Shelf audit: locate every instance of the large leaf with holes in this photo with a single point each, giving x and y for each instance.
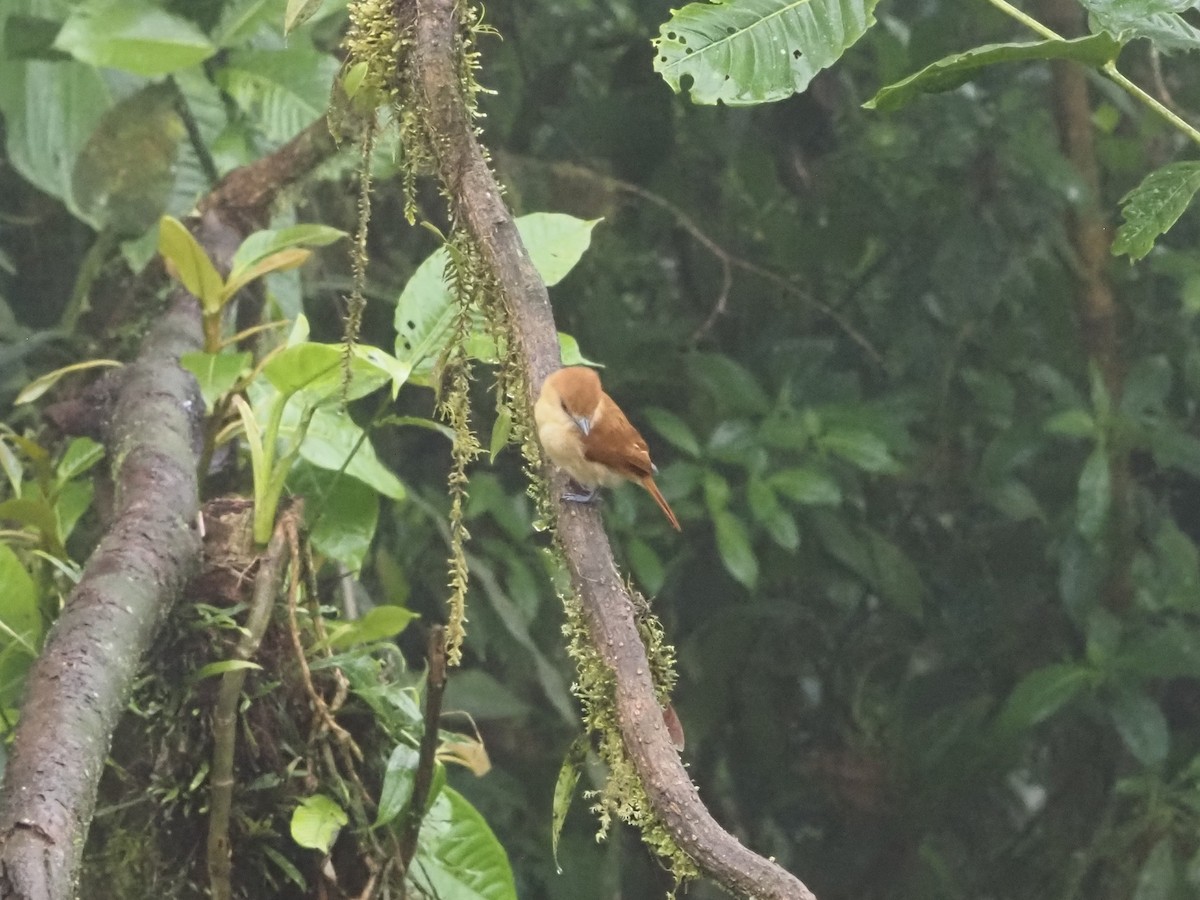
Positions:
(742, 52)
(1155, 205)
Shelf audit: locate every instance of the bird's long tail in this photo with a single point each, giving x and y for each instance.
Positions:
(648, 484)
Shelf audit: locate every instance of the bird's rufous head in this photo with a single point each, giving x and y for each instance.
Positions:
(579, 392)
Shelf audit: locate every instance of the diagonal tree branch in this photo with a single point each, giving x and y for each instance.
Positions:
(78, 687)
(607, 607)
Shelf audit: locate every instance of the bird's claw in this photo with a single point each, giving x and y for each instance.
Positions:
(576, 494)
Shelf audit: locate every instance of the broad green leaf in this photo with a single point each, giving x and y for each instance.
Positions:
(341, 513)
(261, 244)
(426, 308)
(81, 454)
(728, 383)
(216, 373)
(673, 428)
(459, 858)
(569, 353)
(132, 36)
(71, 502)
(1141, 724)
(755, 51)
(807, 486)
(556, 242)
(191, 263)
(863, 449)
(241, 19)
(1041, 694)
(125, 172)
(31, 37)
(1072, 423)
(299, 366)
(379, 624)
(281, 91)
(737, 553)
(397, 783)
(770, 514)
(50, 110)
(501, 429)
(317, 821)
(332, 439)
(564, 791)
(647, 565)
(43, 383)
(1095, 494)
(952, 71)
(318, 371)
(1156, 879)
(283, 261)
(1156, 20)
(19, 616)
(1152, 207)
(298, 12)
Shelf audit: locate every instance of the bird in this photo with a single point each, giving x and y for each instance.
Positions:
(585, 434)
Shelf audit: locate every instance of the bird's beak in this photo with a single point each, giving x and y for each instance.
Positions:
(584, 424)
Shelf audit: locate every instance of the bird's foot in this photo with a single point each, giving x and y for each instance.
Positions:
(576, 493)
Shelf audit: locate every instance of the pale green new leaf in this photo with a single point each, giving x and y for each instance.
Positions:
(317, 821)
(1152, 207)
(43, 383)
(952, 71)
(742, 52)
(191, 262)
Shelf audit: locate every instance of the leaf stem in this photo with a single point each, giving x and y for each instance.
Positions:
(1109, 69)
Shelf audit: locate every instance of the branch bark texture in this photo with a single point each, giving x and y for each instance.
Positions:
(78, 687)
(607, 607)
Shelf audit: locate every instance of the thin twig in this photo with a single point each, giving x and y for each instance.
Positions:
(266, 587)
(435, 688)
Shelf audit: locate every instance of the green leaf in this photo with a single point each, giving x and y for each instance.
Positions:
(674, 429)
(733, 543)
(281, 91)
(191, 263)
(299, 366)
(771, 515)
(397, 783)
(1095, 494)
(242, 19)
(1156, 879)
(1146, 386)
(81, 454)
(1072, 423)
(341, 513)
(31, 37)
(807, 486)
(1141, 724)
(317, 369)
(379, 624)
(332, 438)
(896, 577)
(283, 261)
(129, 194)
(19, 616)
(569, 353)
(729, 384)
(647, 565)
(261, 244)
(863, 449)
(1041, 694)
(556, 242)
(317, 821)
(1152, 207)
(459, 858)
(952, 71)
(216, 373)
(132, 36)
(1169, 651)
(50, 110)
(426, 308)
(501, 430)
(43, 383)
(298, 12)
(564, 791)
(1156, 20)
(1174, 449)
(221, 666)
(755, 51)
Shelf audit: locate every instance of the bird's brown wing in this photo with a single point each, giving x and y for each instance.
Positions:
(615, 443)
